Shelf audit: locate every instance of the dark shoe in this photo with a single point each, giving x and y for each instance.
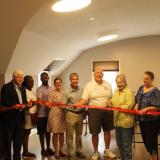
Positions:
(45, 154)
(80, 155)
(50, 151)
(62, 154)
(28, 155)
(16, 157)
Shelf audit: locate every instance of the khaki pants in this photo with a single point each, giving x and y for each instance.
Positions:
(74, 123)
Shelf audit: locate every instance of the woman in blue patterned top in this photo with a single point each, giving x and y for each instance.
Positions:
(148, 98)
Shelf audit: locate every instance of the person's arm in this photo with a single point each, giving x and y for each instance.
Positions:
(109, 103)
(81, 102)
(128, 101)
(155, 102)
(85, 96)
(65, 101)
(50, 97)
(135, 106)
(39, 97)
(138, 98)
(144, 110)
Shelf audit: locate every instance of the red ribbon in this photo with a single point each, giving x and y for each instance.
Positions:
(52, 104)
(17, 106)
(130, 111)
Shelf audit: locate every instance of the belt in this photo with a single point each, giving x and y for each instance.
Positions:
(77, 112)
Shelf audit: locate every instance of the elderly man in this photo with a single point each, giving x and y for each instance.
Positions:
(1, 135)
(97, 93)
(13, 93)
(74, 118)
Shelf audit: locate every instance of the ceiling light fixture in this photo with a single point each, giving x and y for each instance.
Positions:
(107, 37)
(70, 5)
(91, 19)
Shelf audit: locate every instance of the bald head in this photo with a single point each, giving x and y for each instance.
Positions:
(98, 74)
(98, 69)
(18, 76)
(18, 72)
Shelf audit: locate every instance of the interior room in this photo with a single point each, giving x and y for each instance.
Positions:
(36, 38)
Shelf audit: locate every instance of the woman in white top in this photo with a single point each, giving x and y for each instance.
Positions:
(28, 84)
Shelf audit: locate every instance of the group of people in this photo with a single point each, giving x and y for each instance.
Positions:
(16, 125)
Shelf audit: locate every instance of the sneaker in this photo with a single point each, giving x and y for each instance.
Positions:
(95, 156)
(108, 153)
(80, 155)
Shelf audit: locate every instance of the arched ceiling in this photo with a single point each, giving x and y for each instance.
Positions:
(13, 17)
(49, 37)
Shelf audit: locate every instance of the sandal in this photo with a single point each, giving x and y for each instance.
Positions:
(62, 154)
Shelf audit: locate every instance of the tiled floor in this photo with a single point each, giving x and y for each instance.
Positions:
(139, 152)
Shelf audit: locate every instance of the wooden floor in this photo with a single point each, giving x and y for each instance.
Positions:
(139, 152)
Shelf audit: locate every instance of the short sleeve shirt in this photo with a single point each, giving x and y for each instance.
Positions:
(97, 94)
(72, 96)
(42, 93)
(151, 98)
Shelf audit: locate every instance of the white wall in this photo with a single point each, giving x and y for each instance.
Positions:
(32, 54)
(135, 56)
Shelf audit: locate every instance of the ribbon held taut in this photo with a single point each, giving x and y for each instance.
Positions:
(53, 104)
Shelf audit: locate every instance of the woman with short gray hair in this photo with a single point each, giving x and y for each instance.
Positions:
(123, 122)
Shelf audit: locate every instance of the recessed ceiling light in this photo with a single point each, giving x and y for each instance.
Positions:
(107, 37)
(70, 5)
(91, 19)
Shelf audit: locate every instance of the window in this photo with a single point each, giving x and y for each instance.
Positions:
(110, 76)
(107, 65)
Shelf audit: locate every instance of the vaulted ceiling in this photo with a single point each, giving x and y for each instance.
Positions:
(32, 36)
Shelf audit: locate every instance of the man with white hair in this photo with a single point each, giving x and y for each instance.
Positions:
(13, 93)
(97, 93)
(1, 135)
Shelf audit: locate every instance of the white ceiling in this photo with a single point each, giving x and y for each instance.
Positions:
(48, 36)
(13, 17)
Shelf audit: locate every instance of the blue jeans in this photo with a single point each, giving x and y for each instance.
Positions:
(124, 138)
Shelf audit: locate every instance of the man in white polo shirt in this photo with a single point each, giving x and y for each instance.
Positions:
(97, 93)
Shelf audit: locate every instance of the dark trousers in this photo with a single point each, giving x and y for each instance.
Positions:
(149, 131)
(13, 131)
(1, 140)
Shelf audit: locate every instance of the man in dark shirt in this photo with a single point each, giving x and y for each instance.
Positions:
(1, 135)
(13, 93)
